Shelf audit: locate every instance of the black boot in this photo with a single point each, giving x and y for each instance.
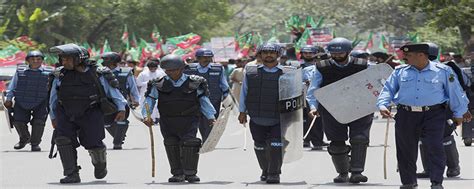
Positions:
(173, 151)
(119, 137)
(23, 133)
(275, 160)
(452, 157)
(68, 156)
(190, 159)
(260, 152)
(358, 155)
(37, 130)
(424, 161)
(436, 186)
(99, 160)
(340, 159)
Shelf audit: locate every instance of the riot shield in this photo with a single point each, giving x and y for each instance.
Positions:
(8, 114)
(355, 96)
(219, 126)
(291, 114)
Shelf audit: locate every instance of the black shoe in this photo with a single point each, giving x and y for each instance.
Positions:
(317, 148)
(35, 148)
(100, 171)
(341, 178)
(357, 178)
(436, 186)
(72, 178)
(306, 144)
(273, 179)
(20, 145)
(453, 172)
(263, 177)
(177, 178)
(409, 186)
(423, 175)
(192, 178)
(117, 146)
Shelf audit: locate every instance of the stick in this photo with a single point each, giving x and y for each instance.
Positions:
(310, 126)
(152, 141)
(385, 150)
(245, 137)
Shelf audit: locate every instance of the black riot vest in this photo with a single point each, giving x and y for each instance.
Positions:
(213, 77)
(122, 77)
(263, 93)
(177, 101)
(332, 73)
(32, 86)
(77, 91)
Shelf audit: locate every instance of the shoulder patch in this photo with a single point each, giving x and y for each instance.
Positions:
(451, 78)
(360, 61)
(251, 69)
(323, 63)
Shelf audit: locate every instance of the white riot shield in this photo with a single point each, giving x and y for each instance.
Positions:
(291, 114)
(8, 115)
(219, 127)
(355, 96)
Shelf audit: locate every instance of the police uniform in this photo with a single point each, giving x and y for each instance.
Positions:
(421, 97)
(30, 87)
(127, 87)
(181, 103)
(75, 106)
(218, 88)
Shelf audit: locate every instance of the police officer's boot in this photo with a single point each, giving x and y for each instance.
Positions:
(23, 133)
(68, 155)
(119, 136)
(173, 151)
(275, 160)
(99, 160)
(358, 154)
(452, 157)
(190, 159)
(37, 129)
(340, 159)
(260, 152)
(424, 161)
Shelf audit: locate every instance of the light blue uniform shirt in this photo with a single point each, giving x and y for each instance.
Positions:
(223, 81)
(131, 85)
(110, 92)
(243, 97)
(12, 86)
(206, 107)
(316, 80)
(434, 84)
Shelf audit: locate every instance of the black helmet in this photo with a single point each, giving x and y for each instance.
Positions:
(433, 51)
(34, 54)
(110, 58)
(269, 47)
(203, 52)
(79, 54)
(153, 63)
(171, 62)
(309, 49)
(359, 54)
(339, 45)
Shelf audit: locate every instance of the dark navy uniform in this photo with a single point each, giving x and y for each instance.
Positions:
(75, 104)
(181, 103)
(218, 89)
(421, 97)
(30, 87)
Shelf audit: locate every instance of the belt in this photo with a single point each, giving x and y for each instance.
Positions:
(421, 108)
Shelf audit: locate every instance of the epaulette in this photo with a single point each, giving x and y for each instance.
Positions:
(401, 66)
(108, 76)
(444, 65)
(360, 62)
(251, 69)
(323, 63)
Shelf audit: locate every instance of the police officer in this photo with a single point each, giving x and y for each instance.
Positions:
(315, 136)
(129, 90)
(259, 99)
(30, 87)
(181, 99)
(216, 78)
(78, 98)
(421, 89)
(341, 65)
